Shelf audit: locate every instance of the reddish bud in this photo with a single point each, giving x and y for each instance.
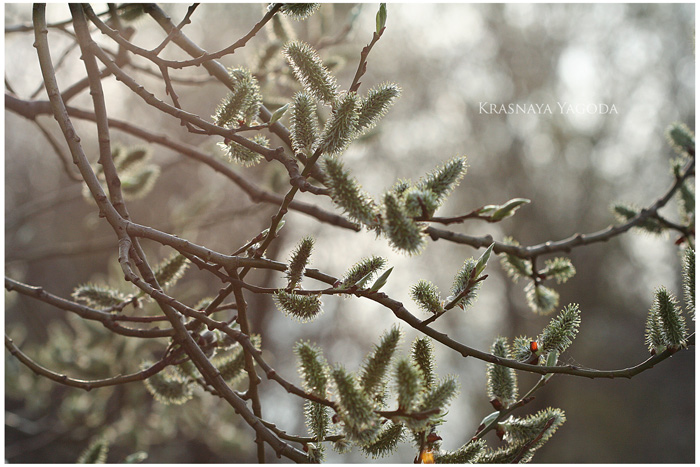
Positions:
(533, 346)
(500, 431)
(534, 358)
(432, 437)
(496, 404)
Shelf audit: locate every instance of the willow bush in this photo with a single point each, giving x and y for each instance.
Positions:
(183, 351)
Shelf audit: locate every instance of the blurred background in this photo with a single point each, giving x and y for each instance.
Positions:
(448, 58)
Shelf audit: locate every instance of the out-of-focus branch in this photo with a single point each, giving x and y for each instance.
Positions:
(80, 383)
(61, 60)
(185, 21)
(58, 150)
(29, 109)
(108, 320)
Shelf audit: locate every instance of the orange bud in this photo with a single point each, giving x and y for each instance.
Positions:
(426, 457)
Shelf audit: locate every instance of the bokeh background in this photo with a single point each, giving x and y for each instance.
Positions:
(447, 58)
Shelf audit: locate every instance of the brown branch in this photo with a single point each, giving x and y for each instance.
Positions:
(529, 444)
(576, 240)
(172, 35)
(398, 309)
(299, 439)
(253, 379)
(401, 312)
(29, 109)
(362, 66)
(191, 121)
(95, 82)
(80, 383)
(186, 81)
(185, 21)
(65, 162)
(217, 70)
(109, 320)
(210, 373)
(456, 219)
(422, 415)
(526, 399)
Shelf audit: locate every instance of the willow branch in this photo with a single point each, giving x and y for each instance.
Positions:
(573, 241)
(217, 70)
(300, 439)
(212, 376)
(526, 399)
(30, 109)
(253, 379)
(58, 150)
(80, 383)
(189, 120)
(109, 320)
(210, 373)
(172, 34)
(185, 21)
(362, 66)
(95, 82)
(402, 313)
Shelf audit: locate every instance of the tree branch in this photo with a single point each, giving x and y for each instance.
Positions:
(109, 320)
(29, 109)
(576, 240)
(84, 384)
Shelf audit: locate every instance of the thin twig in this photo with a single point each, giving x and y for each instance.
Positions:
(400, 311)
(29, 109)
(220, 72)
(526, 447)
(173, 34)
(253, 379)
(109, 320)
(61, 60)
(576, 240)
(185, 21)
(362, 66)
(186, 81)
(80, 383)
(58, 150)
(299, 439)
(526, 399)
(95, 82)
